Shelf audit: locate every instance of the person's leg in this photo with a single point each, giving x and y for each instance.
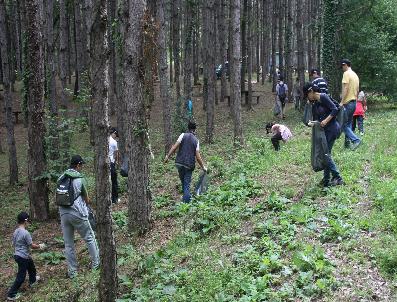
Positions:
(186, 184)
(68, 238)
(354, 123)
(276, 141)
(115, 187)
(21, 275)
(347, 127)
(360, 120)
(181, 173)
(32, 271)
(331, 164)
(83, 227)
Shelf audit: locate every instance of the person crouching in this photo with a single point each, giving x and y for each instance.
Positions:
(279, 133)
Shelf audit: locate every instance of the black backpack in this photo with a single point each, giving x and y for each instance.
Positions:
(65, 195)
(281, 93)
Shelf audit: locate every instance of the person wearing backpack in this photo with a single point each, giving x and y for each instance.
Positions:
(281, 94)
(324, 111)
(74, 216)
(188, 147)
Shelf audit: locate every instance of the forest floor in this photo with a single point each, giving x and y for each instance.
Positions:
(265, 231)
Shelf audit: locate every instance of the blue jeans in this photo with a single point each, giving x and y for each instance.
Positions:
(331, 167)
(347, 127)
(24, 265)
(358, 119)
(185, 175)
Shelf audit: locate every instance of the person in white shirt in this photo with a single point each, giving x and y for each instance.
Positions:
(114, 160)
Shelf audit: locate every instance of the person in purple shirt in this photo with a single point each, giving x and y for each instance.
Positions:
(325, 111)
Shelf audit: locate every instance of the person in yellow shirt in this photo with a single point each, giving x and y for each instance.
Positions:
(350, 86)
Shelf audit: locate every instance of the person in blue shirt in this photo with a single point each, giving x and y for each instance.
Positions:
(325, 111)
(189, 108)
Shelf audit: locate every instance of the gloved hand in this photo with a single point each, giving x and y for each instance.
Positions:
(42, 246)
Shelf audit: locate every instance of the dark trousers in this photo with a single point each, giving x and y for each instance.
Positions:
(358, 119)
(185, 175)
(24, 265)
(276, 141)
(115, 184)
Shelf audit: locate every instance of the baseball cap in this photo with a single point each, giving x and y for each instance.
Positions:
(76, 160)
(22, 217)
(345, 62)
(306, 88)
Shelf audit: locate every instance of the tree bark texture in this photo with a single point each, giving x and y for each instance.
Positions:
(223, 44)
(165, 94)
(250, 53)
(274, 40)
(244, 43)
(111, 8)
(139, 197)
(235, 72)
(53, 148)
(37, 162)
(209, 61)
(188, 60)
(300, 45)
(78, 43)
(175, 10)
(108, 281)
(5, 66)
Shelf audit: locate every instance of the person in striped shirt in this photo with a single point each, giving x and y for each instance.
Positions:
(318, 80)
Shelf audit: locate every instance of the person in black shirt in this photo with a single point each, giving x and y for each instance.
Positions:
(325, 111)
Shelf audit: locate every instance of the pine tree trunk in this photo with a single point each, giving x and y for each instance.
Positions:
(78, 46)
(63, 57)
(300, 45)
(165, 94)
(12, 152)
(257, 40)
(196, 78)
(249, 53)
(280, 17)
(204, 43)
(209, 61)
(175, 8)
(274, 40)
(188, 61)
(51, 86)
(235, 71)
(111, 8)
(244, 44)
(288, 48)
(108, 281)
(223, 44)
(139, 197)
(37, 163)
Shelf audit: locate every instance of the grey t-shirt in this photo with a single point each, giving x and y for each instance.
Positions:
(22, 240)
(79, 207)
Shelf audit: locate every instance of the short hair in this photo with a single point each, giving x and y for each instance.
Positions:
(315, 70)
(191, 125)
(22, 217)
(281, 78)
(269, 127)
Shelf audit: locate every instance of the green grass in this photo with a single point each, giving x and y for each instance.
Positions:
(264, 231)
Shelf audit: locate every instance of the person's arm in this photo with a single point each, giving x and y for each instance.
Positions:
(172, 151)
(200, 160)
(334, 111)
(345, 88)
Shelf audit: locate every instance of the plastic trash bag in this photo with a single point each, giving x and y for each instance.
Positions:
(124, 167)
(319, 152)
(277, 108)
(202, 184)
(307, 114)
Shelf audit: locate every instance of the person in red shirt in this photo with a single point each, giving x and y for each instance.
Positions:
(359, 113)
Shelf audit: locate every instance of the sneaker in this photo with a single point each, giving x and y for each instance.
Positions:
(337, 182)
(16, 297)
(38, 278)
(355, 145)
